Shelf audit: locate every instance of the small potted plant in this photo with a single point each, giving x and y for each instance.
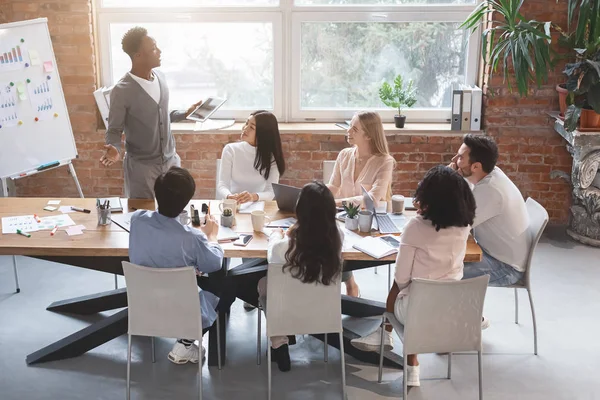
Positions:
(398, 97)
(227, 218)
(583, 85)
(351, 221)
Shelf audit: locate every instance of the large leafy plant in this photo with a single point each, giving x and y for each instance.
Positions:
(398, 96)
(520, 45)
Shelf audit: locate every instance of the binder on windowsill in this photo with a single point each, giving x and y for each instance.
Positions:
(466, 109)
(456, 109)
(476, 99)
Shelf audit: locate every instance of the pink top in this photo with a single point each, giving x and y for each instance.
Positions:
(376, 176)
(425, 253)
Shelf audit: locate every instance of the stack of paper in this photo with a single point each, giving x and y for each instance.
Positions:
(247, 208)
(226, 234)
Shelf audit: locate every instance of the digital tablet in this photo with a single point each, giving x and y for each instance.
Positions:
(206, 109)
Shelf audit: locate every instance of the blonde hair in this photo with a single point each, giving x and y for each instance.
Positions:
(373, 127)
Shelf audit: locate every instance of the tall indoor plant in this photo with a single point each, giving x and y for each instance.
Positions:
(398, 97)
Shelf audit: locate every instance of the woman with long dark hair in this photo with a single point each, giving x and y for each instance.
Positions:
(432, 246)
(310, 251)
(250, 166)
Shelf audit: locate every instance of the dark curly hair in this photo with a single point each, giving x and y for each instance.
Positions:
(132, 40)
(482, 149)
(315, 252)
(445, 198)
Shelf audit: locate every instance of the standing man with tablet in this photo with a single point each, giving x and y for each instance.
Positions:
(139, 106)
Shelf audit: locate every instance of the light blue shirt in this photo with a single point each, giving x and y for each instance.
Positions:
(162, 242)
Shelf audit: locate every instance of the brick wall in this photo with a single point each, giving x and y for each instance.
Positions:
(529, 147)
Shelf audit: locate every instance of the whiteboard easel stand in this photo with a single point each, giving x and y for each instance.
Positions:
(8, 182)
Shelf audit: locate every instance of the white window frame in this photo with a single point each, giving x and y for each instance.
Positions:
(287, 19)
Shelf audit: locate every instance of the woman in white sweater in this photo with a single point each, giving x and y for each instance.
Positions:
(250, 166)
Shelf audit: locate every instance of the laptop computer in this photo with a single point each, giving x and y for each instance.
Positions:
(384, 222)
(286, 196)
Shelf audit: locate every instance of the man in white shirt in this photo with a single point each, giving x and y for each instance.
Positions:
(501, 219)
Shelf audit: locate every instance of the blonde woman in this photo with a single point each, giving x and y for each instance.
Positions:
(367, 163)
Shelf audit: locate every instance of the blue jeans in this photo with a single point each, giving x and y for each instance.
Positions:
(501, 274)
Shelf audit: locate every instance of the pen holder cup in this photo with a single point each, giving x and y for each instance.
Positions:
(104, 216)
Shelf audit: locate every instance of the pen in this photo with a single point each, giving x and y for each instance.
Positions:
(37, 218)
(20, 232)
(83, 210)
(54, 230)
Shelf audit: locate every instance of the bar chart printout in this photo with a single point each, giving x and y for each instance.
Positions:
(40, 93)
(12, 55)
(8, 106)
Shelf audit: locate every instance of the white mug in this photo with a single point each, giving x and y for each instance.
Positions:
(184, 218)
(259, 220)
(397, 204)
(228, 203)
(365, 221)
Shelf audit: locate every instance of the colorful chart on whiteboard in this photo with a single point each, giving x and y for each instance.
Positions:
(8, 106)
(13, 55)
(40, 93)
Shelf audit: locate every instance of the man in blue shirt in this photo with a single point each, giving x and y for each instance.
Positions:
(157, 239)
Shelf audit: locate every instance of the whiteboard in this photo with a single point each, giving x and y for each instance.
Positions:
(34, 123)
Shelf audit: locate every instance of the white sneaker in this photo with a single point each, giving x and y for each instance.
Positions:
(412, 375)
(180, 354)
(485, 323)
(372, 342)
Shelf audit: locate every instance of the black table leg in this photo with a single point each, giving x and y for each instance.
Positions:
(84, 340)
(93, 303)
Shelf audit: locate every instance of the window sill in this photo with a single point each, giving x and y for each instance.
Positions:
(329, 128)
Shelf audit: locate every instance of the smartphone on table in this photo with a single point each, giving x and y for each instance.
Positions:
(243, 240)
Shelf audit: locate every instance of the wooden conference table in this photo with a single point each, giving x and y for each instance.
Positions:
(103, 248)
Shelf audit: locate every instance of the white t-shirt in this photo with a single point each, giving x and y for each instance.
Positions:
(151, 87)
(238, 173)
(501, 220)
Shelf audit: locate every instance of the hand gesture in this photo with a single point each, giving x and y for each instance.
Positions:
(193, 107)
(210, 228)
(111, 155)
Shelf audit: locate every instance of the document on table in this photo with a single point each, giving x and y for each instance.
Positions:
(27, 223)
(283, 223)
(247, 208)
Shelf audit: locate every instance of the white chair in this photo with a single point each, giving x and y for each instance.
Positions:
(296, 308)
(442, 317)
(163, 302)
(327, 170)
(538, 218)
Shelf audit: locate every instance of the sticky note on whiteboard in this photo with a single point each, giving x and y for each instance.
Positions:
(48, 66)
(34, 56)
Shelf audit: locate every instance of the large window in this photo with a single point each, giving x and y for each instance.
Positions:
(303, 59)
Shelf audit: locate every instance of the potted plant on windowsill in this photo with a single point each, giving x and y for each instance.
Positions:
(584, 91)
(351, 221)
(398, 97)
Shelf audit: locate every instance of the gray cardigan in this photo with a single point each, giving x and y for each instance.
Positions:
(147, 127)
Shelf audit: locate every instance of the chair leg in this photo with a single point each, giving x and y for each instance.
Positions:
(516, 306)
(449, 365)
(269, 370)
(258, 338)
(128, 367)
(535, 349)
(200, 370)
(153, 352)
(480, 375)
(343, 357)
(116, 282)
(379, 376)
(18, 289)
(405, 380)
(325, 349)
(219, 361)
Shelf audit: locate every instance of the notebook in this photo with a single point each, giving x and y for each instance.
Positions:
(283, 223)
(226, 234)
(115, 203)
(375, 247)
(247, 208)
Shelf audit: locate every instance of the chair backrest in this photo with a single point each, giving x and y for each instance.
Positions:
(538, 219)
(444, 316)
(300, 308)
(163, 302)
(218, 173)
(327, 170)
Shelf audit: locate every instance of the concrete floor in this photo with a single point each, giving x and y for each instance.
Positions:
(565, 288)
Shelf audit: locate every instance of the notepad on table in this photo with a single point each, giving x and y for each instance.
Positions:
(247, 208)
(226, 234)
(115, 203)
(283, 223)
(375, 247)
